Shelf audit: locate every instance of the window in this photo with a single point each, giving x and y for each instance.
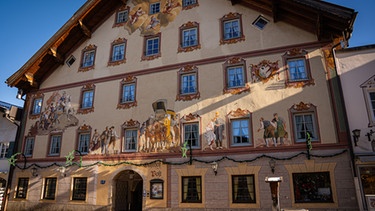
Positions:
(127, 93)
(240, 131)
(84, 142)
(298, 72)
(29, 146)
(243, 189)
(189, 37)
(152, 47)
(231, 29)
(79, 188)
(192, 189)
(235, 76)
(240, 128)
(37, 106)
(87, 99)
(188, 4)
(154, 8)
(4, 146)
(23, 184)
(54, 145)
(131, 140)
(122, 16)
(118, 52)
(191, 134)
(49, 188)
(156, 189)
(260, 22)
(312, 187)
(369, 95)
(88, 58)
(70, 60)
(188, 83)
(304, 120)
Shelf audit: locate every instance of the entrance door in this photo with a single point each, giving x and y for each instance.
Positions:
(128, 189)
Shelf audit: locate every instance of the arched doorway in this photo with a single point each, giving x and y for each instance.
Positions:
(127, 191)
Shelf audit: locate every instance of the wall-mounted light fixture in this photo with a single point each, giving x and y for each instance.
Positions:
(62, 170)
(369, 135)
(34, 172)
(214, 167)
(356, 135)
(272, 164)
(19, 94)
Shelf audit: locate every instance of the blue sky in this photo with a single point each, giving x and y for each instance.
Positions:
(27, 25)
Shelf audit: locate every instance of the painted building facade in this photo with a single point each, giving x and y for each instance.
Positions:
(186, 105)
(355, 66)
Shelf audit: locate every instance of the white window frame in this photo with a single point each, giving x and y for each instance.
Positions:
(229, 32)
(84, 142)
(55, 145)
(368, 90)
(88, 58)
(229, 72)
(87, 99)
(122, 16)
(37, 106)
(4, 147)
(130, 140)
(233, 134)
(197, 145)
(154, 8)
(128, 93)
(150, 42)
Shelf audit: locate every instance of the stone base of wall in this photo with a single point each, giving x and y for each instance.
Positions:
(28, 206)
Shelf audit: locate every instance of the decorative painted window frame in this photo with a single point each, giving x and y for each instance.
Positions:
(127, 105)
(297, 53)
(87, 49)
(33, 98)
(188, 7)
(86, 87)
(84, 129)
(123, 8)
(192, 119)
(228, 17)
(119, 41)
(129, 125)
(302, 108)
(367, 88)
(188, 25)
(154, 56)
(240, 114)
(188, 69)
(235, 61)
(59, 133)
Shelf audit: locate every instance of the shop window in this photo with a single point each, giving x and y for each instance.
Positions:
(191, 189)
(79, 189)
(243, 189)
(22, 186)
(49, 189)
(312, 187)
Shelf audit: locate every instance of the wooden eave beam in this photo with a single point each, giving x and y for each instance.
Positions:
(275, 11)
(319, 27)
(84, 28)
(57, 57)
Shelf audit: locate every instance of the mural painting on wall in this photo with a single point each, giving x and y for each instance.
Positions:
(161, 131)
(57, 115)
(214, 133)
(274, 132)
(264, 71)
(105, 142)
(140, 17)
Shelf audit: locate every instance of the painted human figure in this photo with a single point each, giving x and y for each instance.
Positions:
(280, 128)
(153, 23)
(112, 138)
(95, 144)
(218, 130)
(269, 130)
(142, 137)
(136, 15)
(103, 139)
(210, 135)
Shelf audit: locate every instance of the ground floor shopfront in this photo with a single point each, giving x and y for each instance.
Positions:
(323, 181)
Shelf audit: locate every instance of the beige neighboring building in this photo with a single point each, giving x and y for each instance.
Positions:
(356, 69)
(186, 105)
(9, 124)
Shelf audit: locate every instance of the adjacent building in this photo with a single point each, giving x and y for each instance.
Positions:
(355, 67)
(186, 105)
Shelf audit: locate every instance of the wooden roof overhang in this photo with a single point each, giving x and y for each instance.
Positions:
(327, 21)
